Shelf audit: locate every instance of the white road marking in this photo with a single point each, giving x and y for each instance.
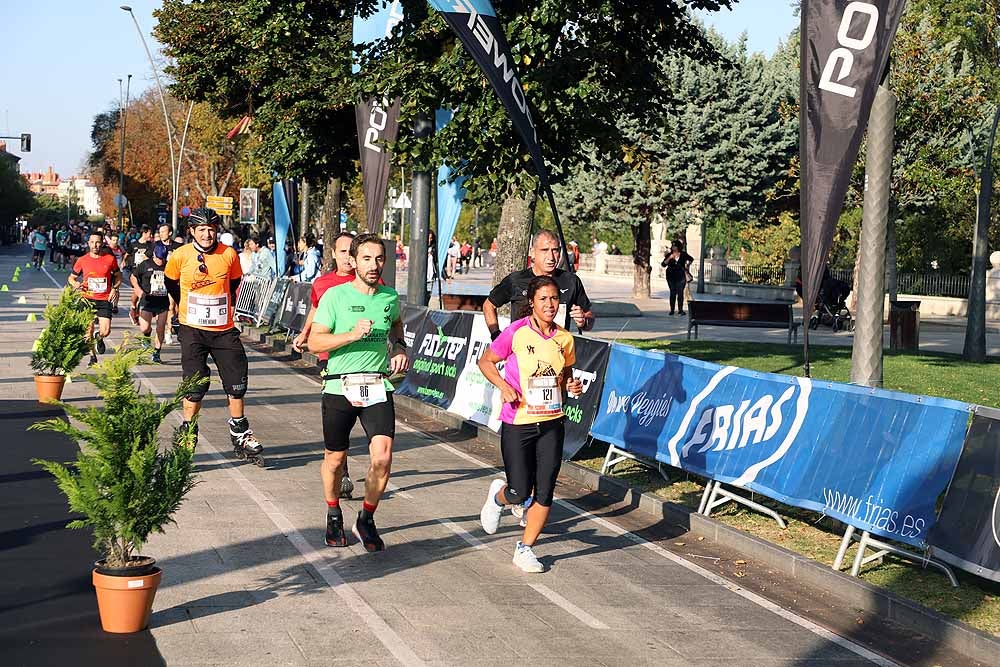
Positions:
(569, 607)
(398, 491)
(352, 600)
(464, 534)
(764, 603)
(54, 281)
(804, 623)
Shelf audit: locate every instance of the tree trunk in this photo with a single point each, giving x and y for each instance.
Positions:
(640, 258)
(304, 207)
(330, 222)
(513, 237)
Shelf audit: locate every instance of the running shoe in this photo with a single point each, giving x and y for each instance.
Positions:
(99, 344)
(367, 534)
(133, 316)
(93, 361)
(519, 511)
(156, 357)
(489, 516)
(525, 559)
(346, 487)
(335, 535)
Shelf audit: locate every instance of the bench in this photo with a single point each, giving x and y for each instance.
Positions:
(745, 313)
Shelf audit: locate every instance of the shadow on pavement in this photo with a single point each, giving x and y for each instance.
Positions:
(48, 610)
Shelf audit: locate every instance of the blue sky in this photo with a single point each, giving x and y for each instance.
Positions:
(62, 60)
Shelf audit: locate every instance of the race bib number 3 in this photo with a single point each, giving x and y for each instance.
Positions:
(542, 396)
(364, 389)
(208, 310)
(97, 285)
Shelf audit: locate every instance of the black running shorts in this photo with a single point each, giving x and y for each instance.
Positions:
(102, 308)
(227, 351)
(532, 454)
(154, 304)
(339, 417)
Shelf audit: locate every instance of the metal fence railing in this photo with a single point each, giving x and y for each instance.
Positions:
(253, 298)
(737, 272)
(920, 284)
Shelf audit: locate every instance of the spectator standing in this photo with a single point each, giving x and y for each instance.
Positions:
(678, 270)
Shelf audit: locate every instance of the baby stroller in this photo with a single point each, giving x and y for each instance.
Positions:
(831, 306)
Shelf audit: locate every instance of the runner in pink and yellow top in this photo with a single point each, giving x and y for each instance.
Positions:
(539, 357)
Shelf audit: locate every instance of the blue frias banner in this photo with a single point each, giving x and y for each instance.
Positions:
(875, 459)
(476, 24)
(449, 198)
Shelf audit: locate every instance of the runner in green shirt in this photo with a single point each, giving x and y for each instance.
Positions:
(359, 324)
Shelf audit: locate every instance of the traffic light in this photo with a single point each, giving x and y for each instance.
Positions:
(25, 143)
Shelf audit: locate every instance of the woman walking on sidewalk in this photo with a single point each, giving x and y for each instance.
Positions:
(539, 356)
(678, 266)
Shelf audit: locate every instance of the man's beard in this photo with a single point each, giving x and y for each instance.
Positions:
(373, 282)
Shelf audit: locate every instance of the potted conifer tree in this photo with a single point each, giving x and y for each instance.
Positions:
(122, 483)
(62, 344)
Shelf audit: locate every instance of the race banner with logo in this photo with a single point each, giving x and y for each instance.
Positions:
(477, 26)
(845, 46)
(377, 119)
(440, 348)
(590, 368)
(378, 125)
(875, 459)
(967, 533)
(476, 399)
(413, 320)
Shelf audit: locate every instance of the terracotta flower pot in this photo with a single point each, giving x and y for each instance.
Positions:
(125, 601)
(49, 387)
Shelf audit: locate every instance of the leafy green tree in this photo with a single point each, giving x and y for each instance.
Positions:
(717, 151)
(286, 63)
(15, 198)
(975, 27)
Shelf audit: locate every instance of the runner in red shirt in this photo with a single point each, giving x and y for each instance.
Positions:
(98, 277)
(343, 273)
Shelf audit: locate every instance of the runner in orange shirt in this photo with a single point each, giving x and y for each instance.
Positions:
(203, 276)
(98, 277)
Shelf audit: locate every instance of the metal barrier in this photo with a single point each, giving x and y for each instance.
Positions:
(271, 308)
(254, 295)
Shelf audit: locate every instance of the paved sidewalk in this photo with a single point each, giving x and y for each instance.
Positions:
(247, 578)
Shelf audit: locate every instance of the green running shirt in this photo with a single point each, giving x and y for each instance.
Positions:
(340, 309)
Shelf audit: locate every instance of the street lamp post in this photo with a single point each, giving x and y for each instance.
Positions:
(174, 167)
(121, 161)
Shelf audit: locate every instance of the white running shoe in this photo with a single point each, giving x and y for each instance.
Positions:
(490, 514)
(518, 512)
(525, 559)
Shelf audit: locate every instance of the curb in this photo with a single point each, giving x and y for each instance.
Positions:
(950, 633)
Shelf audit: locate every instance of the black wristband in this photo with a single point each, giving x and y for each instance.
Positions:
(495, 334)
